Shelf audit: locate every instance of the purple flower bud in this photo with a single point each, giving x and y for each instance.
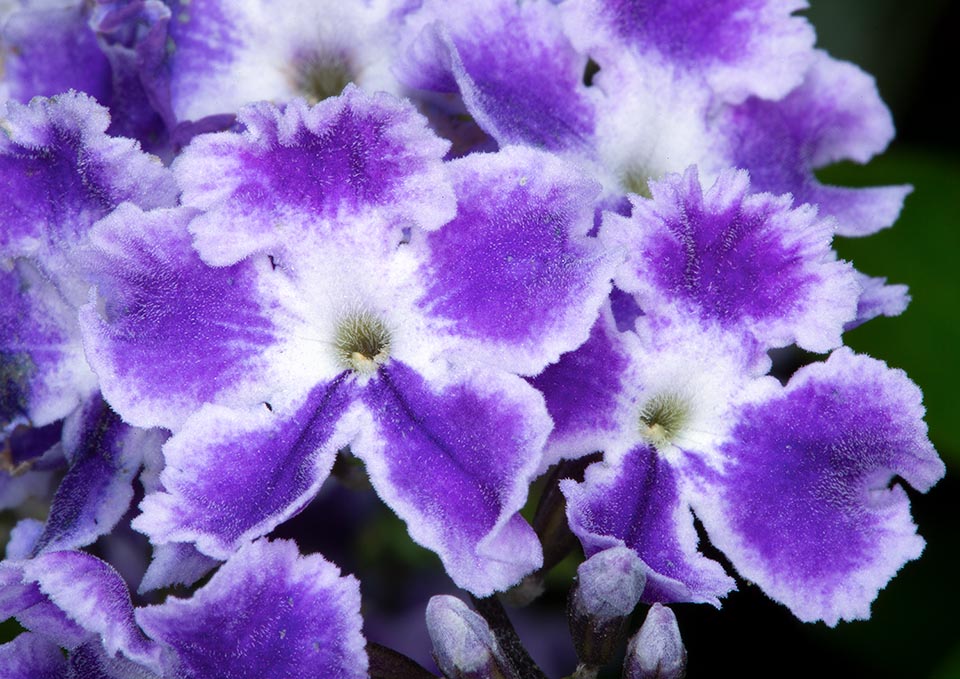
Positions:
(463, 645)
(656, 651)
(608, 589)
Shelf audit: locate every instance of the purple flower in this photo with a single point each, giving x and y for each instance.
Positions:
(792, 483)
(267, 612)
(344, 316)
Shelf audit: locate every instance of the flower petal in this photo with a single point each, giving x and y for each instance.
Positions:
(517, 72)
(61, 172)
(751, 264)
(454, 456)
(804, 508)
(361, 159)
(638, 501)
(232, 476)
(268, 612)
(30, 656)
(170, 333)
(105, 455)
(514, 274)
(835, 114)
(739, 47)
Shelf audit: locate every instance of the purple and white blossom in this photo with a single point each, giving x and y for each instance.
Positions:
(462, 244)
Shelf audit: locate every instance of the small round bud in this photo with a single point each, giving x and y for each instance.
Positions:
(656, 651)
(609, 585)
(463, 645)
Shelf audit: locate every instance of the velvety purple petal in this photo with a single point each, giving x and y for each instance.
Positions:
(835, 114)
(227, 53)
(879, 299)
(30, 656)
(453, 456)
(639, 502)
(514, 274)
(175, 563)
(43, 373)
(267, 613)
(751, 264)
(518, 74)
(739, 47)
(168, 332)
(232, 476)
(583, 390)
(805, 507)
(93, 596)
(23, 537)
(61, 172)
(364, 159)
(49, 50)
(89, 661)
(105, 455)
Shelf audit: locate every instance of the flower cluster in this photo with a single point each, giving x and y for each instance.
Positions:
(465, 244)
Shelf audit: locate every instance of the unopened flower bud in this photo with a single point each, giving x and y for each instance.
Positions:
(463, 645)
(656, 651)
(609, 585)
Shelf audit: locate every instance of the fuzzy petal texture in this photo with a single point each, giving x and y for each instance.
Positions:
(516, 71)
(93, 597)
(267, 613)
(454, 456)
(105, 455)
(44, 375)
(751, 264)
(639, 502)
(805, 507)
(233, 475)
(30, 656)
(583, 390)
(835, 114)
(737, 47)
(61, 173)
(298, 173)
(514, 276)
(168, 333)
(175, 563)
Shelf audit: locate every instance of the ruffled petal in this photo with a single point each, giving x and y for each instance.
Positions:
(454, 456)
(93, 597)
(879, 299)
(738, 47)
(514, 276)
(268, 612)
(43, 372)
(61, 173)
(105, 455)
(835, 114)
(232, 476)
(516, 71)
(750, 264)
(169, 333)
(638, 501)
(355, 161)
(805, 507)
